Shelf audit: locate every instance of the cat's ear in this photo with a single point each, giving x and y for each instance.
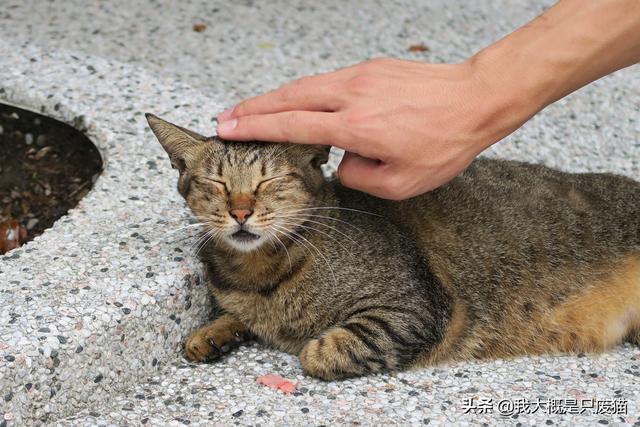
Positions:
(177, 141)
(320, 154)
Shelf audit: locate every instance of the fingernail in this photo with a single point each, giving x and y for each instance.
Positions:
(227, 126)
(226, 114)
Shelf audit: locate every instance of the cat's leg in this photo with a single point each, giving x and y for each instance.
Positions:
(362, 346)
(215, 339)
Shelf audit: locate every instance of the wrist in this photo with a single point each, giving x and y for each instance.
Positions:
(507, 97)
(572, 44)
(513, 80)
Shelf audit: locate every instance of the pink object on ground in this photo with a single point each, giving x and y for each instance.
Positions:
(277, 382)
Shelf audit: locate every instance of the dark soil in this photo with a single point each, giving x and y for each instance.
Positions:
(46, 167)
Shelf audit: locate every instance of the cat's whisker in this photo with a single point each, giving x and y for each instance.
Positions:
(304, 211)
(212, 235)
(209, 219)
(321, 217)
(264, 229)
(187, 232)
(197, 242)
(170, 237)
(335, 280)
(307, 227)
(202, 240)
(319, 223)
(199, 218)
(289, 235)
(261, 250)
(336, 208)
(319, 253)
(179, 229)
(282, 244)
(183, 238)
(273, 245)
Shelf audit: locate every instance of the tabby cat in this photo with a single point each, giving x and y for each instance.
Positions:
(507, 259)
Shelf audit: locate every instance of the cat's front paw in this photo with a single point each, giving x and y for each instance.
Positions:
(340, 353)
(210, 342)
(201, 347)
(322, 358)
(313, 362)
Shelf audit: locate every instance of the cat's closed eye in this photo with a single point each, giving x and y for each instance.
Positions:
(220, 186)
(265, 183)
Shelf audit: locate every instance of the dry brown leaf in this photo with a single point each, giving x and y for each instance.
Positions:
(12, 235)
(418, 48)
(198, 28)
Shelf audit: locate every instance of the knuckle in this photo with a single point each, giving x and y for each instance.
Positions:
(292, 89)
(325, 132)
(348, 181)
(347, 174)
(241, 108)
(286, 93)
(354, 119)
(394, 188)
(289, 122)
(362, 83)
(343, 175)
(291, 118)
(246, 127)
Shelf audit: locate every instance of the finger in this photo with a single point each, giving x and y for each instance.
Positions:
(313, 93)
(300, 127)
(316, 93)
(360, 173)
(371, 176)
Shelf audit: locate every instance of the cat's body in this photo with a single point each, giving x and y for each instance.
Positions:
(507, 259)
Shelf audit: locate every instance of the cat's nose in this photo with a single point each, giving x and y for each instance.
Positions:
(241, 215)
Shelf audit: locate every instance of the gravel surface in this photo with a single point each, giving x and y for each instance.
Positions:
(98, 305)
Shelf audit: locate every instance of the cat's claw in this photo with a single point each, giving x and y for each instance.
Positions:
(216, 352)
(198, 348)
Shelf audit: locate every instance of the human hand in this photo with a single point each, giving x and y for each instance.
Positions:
(407, 127)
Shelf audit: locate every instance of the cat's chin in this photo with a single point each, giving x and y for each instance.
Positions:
(244, 241)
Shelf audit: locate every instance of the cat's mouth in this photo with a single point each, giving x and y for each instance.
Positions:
(244, 236)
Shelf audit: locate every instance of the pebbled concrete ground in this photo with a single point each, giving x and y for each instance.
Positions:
(249, 47)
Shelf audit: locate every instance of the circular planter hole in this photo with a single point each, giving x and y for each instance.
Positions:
(46, 167)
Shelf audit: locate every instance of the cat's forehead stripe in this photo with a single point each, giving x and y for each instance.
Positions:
(253, 159)
(226, 156)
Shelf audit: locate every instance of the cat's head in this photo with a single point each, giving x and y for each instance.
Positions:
(246, 194)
